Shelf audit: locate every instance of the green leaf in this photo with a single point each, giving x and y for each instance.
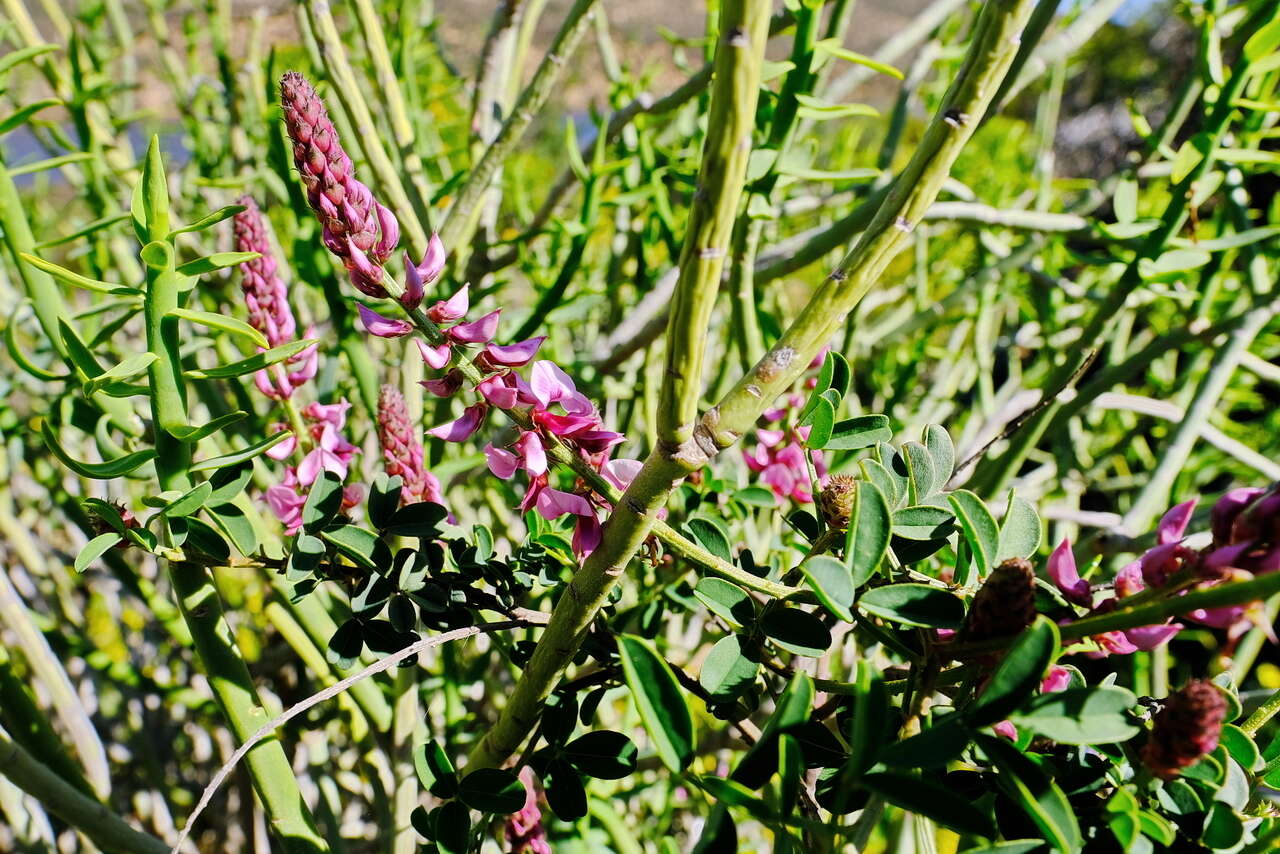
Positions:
(832, 581)
(1031, 788)
(942, 451)
(451, 823)
(1014, 846)
(1173, 262)
(208, 220)
(216, 261)
(727, 601)
(756, 496)
(229, 483)
(1098, 715)
(659, 701)
(914, 605)
(492, 790)
(323, 502)
(254, 363)
(870, 528)
(417, 520)
(190, 502)
(1264, 42)
(929, 748)
(884, 480)
(864, 431)
(14, 58)
(870, 719)
(130, 367)
(821, 420)
(1019, 673)
(192, 434)
(796, 631)
(384, 499)
(604, 755)
(834, 374)
(712, 535)
(726, 671)
(435, 770)
(834, 47)
(84, 231)
(241, 455)
(1125, 201)
(50, 162)
(933, 800)
(1019, 530)
(95, 549)
(223, 322)
(923, 522)
(921, 478)
(79, 354)
(819, 110)
(1241, 747)
(19, 116)
(362, 547)
(152, 203)
(118, 467)
(978, 526)
(236, 525)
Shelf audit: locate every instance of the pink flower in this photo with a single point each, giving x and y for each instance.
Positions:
(437, 356)
(1129, 581)
(1058, 679)
(464, 427)
(502, 463)
(445, 386)
(532, 453)
(383, 327)
(1006, 729)
(554, 503)
(621, 472)
(1147, 638)
(1062, 571)
(332, 453)
(550, 384)
(454, 308)
(328, 413)
(285, 448)
(497, 356)
(418, 276)
(286, 503)
(475, 332)
(1174, 523)
(496, 390)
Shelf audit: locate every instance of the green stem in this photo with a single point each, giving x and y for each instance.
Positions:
(1262, 714)
(463, 217)
(106, 829)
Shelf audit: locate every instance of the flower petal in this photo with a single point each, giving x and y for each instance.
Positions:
(549, 383)
(530, 448)
(621, 472)
(1174, 523)
(501, 462)
(454, 308)
(383, 327)
(435, 356)
(464, 427)
(1062, 570)
(513, 355)
(477, 331)
(554, 503)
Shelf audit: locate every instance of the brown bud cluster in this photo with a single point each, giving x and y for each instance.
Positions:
(1185, 729)
(1005, 604)
(837, 499)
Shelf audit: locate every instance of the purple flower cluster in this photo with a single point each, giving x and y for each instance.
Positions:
(357, 228)
(330, 452)
(1246, 541)
(267, 299)
(402, 449)
(778, 455)
(524, 831)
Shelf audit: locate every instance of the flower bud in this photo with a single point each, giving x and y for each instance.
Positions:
(1185, 729)
(1005, 604)
(836, 500)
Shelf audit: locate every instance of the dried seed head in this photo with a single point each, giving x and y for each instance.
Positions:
(357, 229)
(836, 500)
(1185, 729)
(1005, 604)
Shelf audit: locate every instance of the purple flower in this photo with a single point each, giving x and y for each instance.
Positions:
(454, 308)
(418, 276)
(1062, 571)
(383, 327)
(464, 427)
(477, 331)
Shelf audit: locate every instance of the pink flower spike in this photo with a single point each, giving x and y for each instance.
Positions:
(464, 427)
(477, 331)
(554, 503)
(497, 392)
(383, 327)
(1174, 523)
(511, 355)
(531, 451)
(549, 383)
(621, 472)
(454, 308)
(1062, 571)
(502, 463)
(436, 357)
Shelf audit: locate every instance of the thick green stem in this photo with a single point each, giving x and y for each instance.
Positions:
(730, 123)
(107, 830)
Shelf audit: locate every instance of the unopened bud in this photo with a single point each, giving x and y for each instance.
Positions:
(836, 500)
(1185, 729)
(1005, 604)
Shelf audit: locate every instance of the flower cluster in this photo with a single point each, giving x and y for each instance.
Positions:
(778, 455)
(267, 299)
(524, 831)
(402, 449)
(1186, 728)
(357, 228)
(1246, 541)
(330, 452)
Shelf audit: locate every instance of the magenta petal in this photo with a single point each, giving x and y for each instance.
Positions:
(1129, 581)
(462, 428)
(770, 438)
(454, 308)
(283, 450)
(445, 386)
(497, 392)
(477, 331)
(621, 472)
(414, 288)
(383, 327)
(530, 448)
(1062, 571)
(390, 232)
(1058, 679)
(432, 263)
(436, 357)
(514, 355)
(549, 383)
(1006, 729)
(502, 463)
(554, 503)
(1147, 638)
(597, 441)
(1174, 523)
(586, 535)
